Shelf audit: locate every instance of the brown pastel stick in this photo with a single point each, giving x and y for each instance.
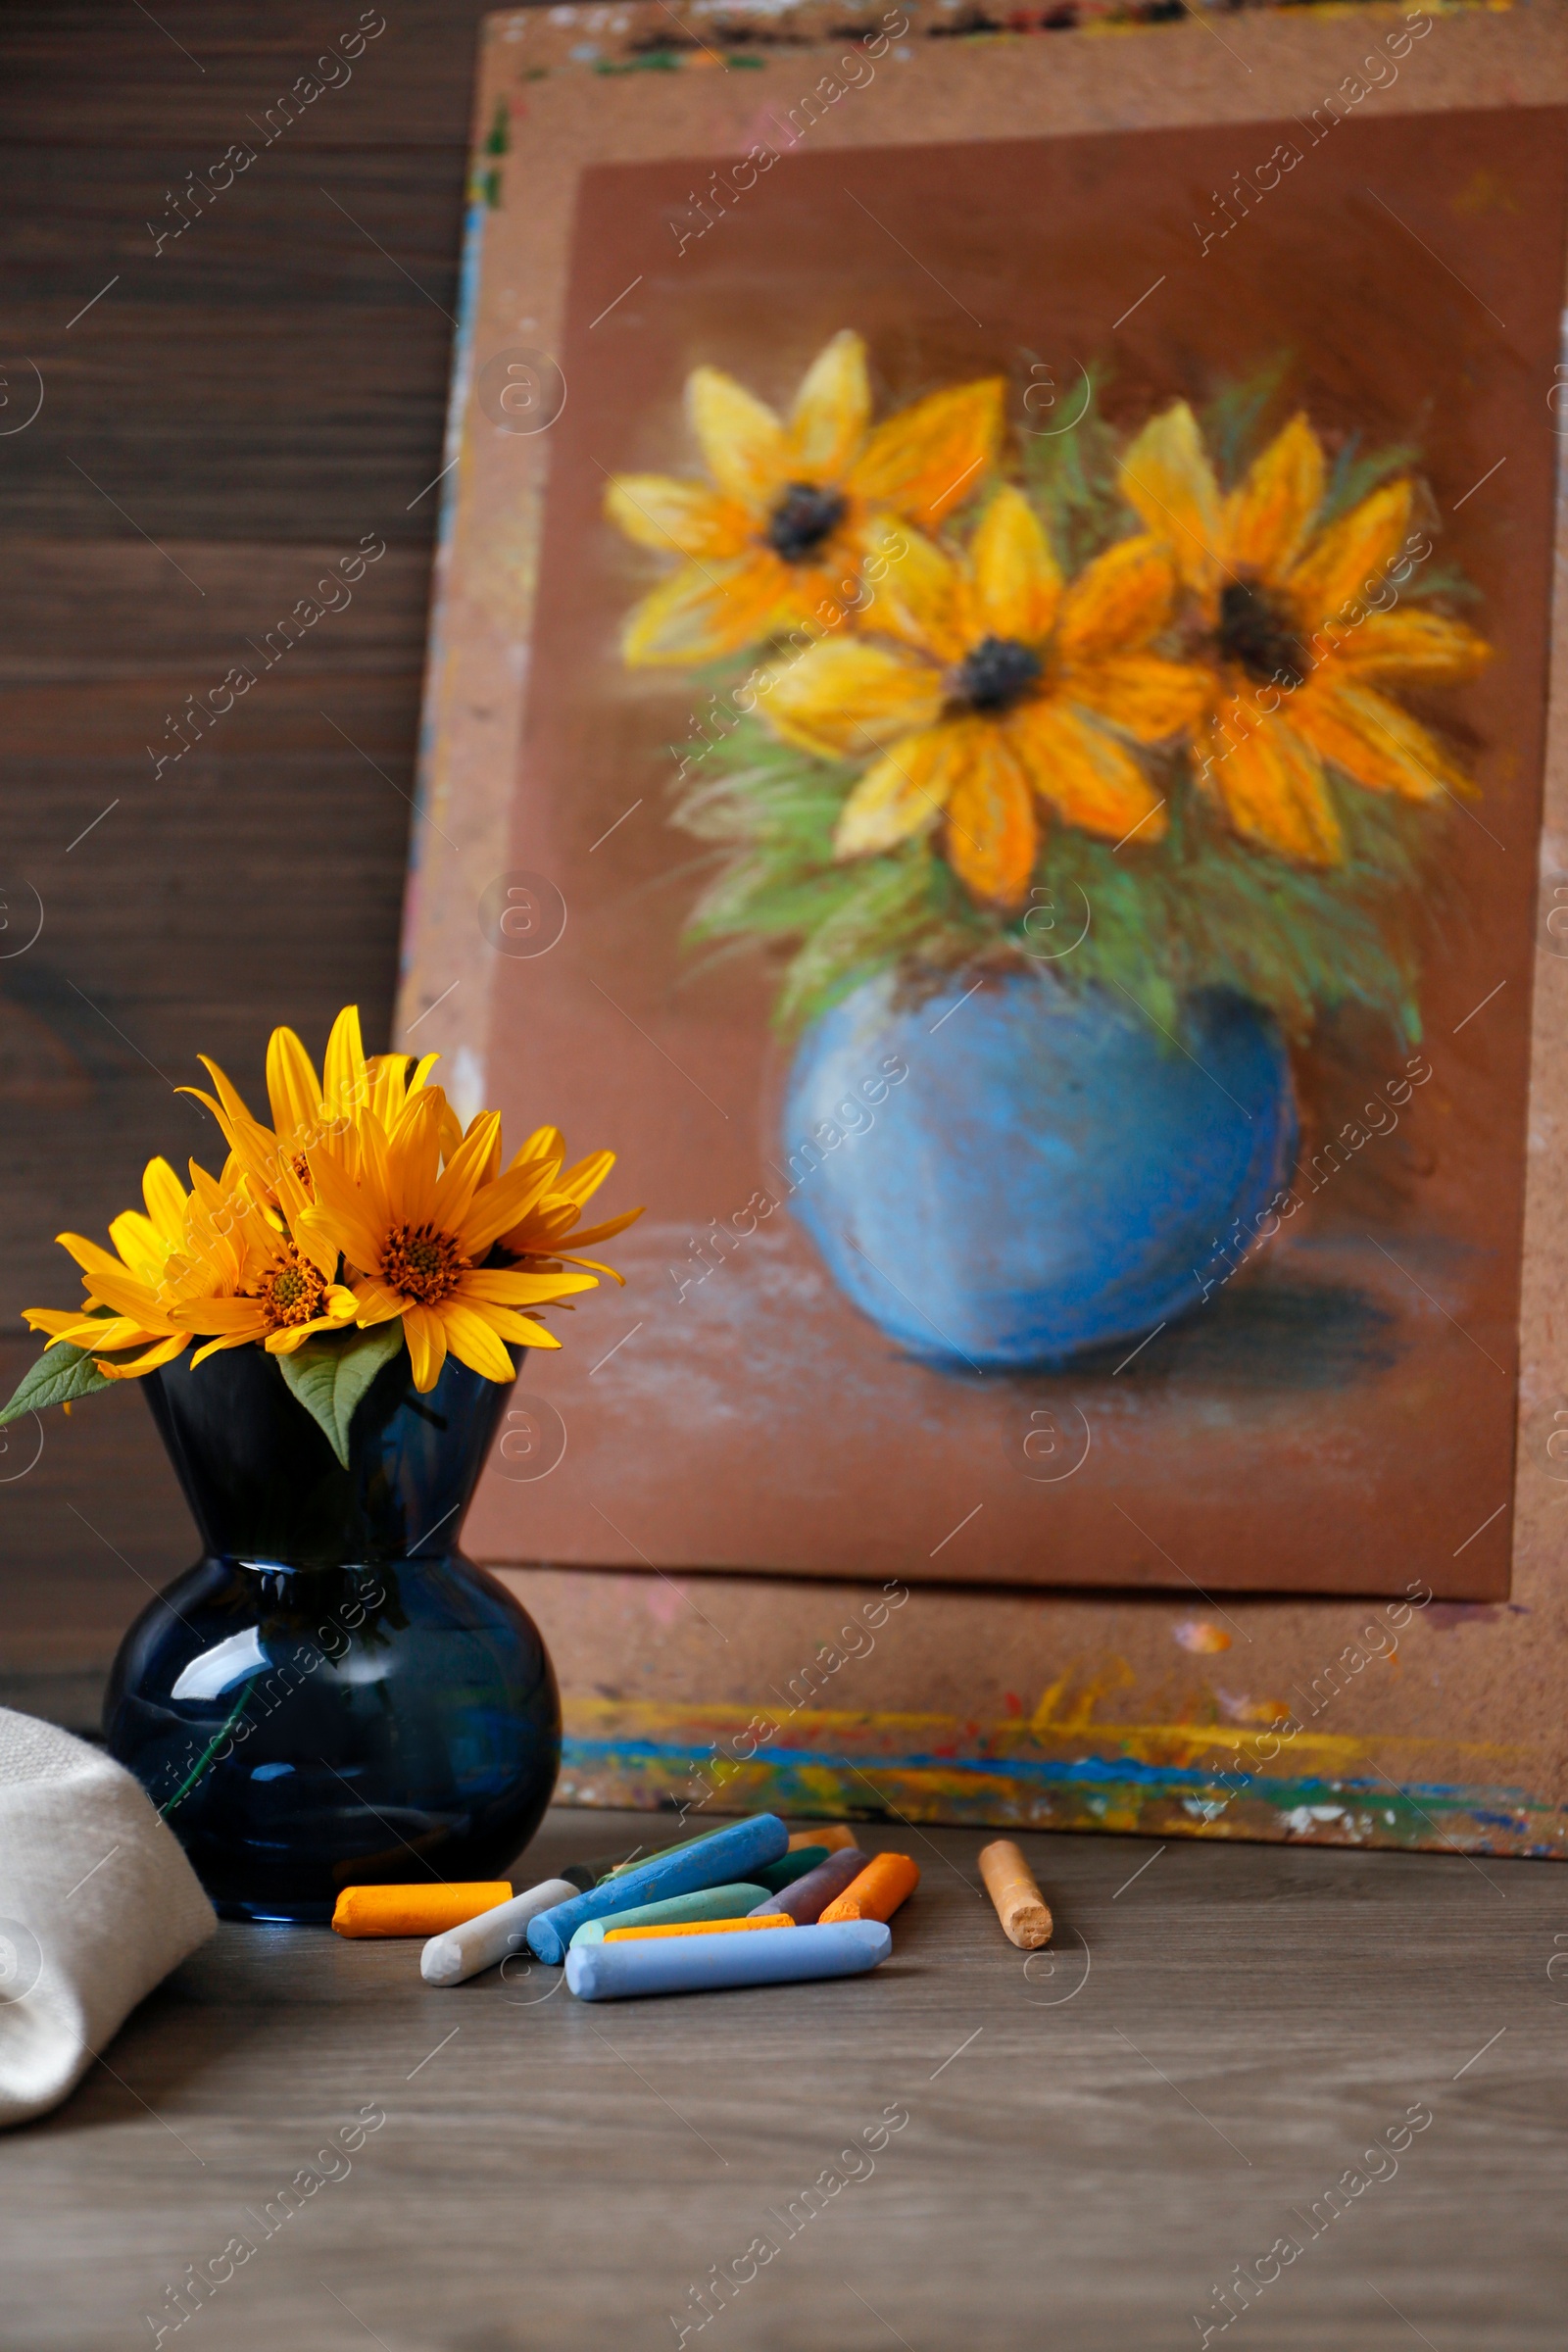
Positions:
(1020, 1906)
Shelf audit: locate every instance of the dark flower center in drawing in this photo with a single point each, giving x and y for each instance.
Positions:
(996, 674)
(1257, 635)
(803, 519)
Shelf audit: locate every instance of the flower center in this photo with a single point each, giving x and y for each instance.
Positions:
(996, 674)
(803, 519)
(292, 1292)
(1255, 633)
(421, 1262)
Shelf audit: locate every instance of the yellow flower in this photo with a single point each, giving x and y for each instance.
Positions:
(307, 1111)
(268, 1287)
(414, 1234)
(1296, 647)
(795, 507)
(997, 700)
(536, 1237)
(153, 1275)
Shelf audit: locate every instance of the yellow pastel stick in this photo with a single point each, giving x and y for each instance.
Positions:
(702, 1927)
(415, 1910)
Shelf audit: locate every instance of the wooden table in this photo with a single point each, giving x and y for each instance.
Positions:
(1097, 2136)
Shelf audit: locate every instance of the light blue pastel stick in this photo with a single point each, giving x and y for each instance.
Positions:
(619, 1972)
(678, 1910)
(715, 1861)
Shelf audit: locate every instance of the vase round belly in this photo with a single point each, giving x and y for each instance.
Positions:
(334, 1694)
(1010, 1174)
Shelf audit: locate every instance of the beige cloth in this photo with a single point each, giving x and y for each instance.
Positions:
(97, 1904)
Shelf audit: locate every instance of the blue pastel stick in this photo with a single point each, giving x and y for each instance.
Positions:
(729, 1855)
(619, 1972)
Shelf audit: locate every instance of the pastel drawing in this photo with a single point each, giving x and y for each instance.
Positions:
(1077, 775)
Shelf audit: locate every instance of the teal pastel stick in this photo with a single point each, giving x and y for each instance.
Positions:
(720, 1861)
(792, 1866)
(678, 1910)
(620, 1971)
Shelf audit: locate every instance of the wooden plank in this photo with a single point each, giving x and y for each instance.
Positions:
(1096, 2136)
(90, 74)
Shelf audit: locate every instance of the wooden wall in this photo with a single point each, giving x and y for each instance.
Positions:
(236, 409)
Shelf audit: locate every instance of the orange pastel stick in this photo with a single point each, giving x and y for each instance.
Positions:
(702, 1927)
(831, 1833)
(877, 1893)
(415, 1910)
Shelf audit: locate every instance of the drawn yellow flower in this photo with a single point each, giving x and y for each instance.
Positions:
(999, 700)
(1300, 632)
(414, 1234)
(781, 534)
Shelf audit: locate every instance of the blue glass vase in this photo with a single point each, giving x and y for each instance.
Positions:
(333, 1696)
(1010, 1173)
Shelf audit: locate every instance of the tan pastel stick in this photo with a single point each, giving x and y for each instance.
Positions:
(1020, 1905)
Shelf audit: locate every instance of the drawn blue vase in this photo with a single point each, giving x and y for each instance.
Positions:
(1051, 1174)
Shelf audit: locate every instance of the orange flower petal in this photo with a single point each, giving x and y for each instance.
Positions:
(1374, 741)
(847, 699)
(993, 833)
(1143, 695)
(427, 1346)
(1168, 477)
(832, 409)
(707, 610)
(921, 597)
(1269, 517)
(902, 794)
(1351, 556)
(1413, 644)
(1118, 602)
(1272, 787)
(1084, 773)
(741, 439)
(474, 1339)
(681, 518)
(293, 1089)
(931, 456)
(1017, 584)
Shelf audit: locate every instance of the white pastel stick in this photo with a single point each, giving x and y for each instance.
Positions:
(484, 1942)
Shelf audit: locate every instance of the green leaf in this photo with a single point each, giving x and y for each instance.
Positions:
(61, 1374)
(329, 1376)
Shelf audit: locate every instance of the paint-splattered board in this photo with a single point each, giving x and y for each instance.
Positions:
(1133, 1712)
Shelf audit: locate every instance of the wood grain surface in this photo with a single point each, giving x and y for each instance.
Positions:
(228, 415)
(1098, 2134)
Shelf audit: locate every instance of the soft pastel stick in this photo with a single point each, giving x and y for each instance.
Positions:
(791, 1866)
(717, 1860)
(659, 1854)
(484, 1942)
(702, 1927)
(619, 1972)
(710, 1902)
(831, 1833)
(1022, 1909)
(415, 1910)
(808, 1898)
(878, 1890)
